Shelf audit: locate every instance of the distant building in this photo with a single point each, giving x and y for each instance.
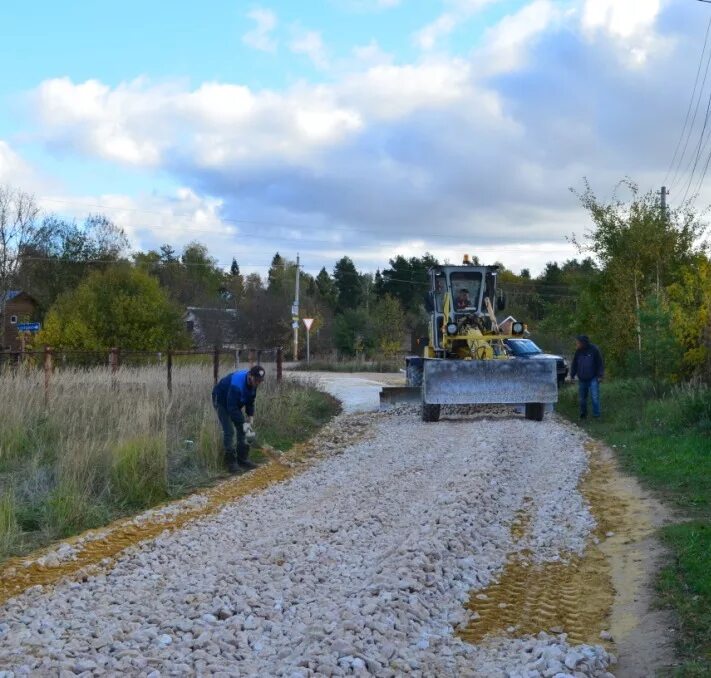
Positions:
(505, 324)
(16, 308)
(209, 327)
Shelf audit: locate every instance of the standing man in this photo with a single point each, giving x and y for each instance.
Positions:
(232, 393)
(589, 368)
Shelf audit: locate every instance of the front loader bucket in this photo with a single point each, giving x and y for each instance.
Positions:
(398, 395)
(474, 382)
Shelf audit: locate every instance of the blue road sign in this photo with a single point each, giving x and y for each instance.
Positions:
(28, 327)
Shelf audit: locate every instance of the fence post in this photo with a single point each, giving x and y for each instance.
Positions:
(48, 367)
(169, 363)
(251, 357)
(216, 363)
(279, 359)
(259, 357)
(114, 363)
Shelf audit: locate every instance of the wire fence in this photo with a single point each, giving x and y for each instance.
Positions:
(117, 361)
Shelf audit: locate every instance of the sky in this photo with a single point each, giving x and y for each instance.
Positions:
(362, 127)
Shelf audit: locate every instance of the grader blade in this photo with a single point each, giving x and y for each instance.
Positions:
(474, 382)
(398, 395)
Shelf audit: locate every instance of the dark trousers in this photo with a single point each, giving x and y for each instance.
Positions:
(593, 387)
(232, 423)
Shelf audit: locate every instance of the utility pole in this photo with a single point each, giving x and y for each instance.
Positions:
(664, 194)
(295, 313)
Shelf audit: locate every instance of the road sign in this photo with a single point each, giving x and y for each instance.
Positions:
(295, 325)
(28, 327)
(308, 322)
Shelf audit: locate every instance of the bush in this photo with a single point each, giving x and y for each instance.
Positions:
(139, 472)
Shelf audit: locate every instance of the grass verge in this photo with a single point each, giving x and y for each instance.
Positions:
(103, 448)
(665, 442)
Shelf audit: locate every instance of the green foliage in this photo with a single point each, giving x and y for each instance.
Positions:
(407, 281)
(70, 509)
(9, 528)
(665, 442)
(388, 326)
(352, 332)
(660, 358)
(642, 250)
(139, 471)
(685, 584)
(348, 284)
(118, 307)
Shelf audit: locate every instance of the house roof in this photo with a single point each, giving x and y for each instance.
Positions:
(213, 326)
(13, 294)
(10, 295)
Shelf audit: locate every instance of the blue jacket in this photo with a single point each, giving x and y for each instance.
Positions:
(587, 363)
(233, 393)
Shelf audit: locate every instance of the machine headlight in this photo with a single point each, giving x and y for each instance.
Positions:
(452, 328)
(517, 328)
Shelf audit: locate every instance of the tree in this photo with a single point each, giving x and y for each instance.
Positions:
(121, 306)
(407, 280)
(352, 332)
(388, 325)
(65, 252)
(326, 288)
(642, 249)
(276, 275)
(348, 284)
(18, 232)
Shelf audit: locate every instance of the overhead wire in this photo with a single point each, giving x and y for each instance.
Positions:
(688, 111)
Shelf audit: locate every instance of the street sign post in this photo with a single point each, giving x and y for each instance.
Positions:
(28, 327)
(308, 322)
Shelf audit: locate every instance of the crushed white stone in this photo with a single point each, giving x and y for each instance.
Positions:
(359, 565)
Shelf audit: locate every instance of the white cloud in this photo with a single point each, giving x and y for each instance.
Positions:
(506, 44)
(261, 36)
(310, 43)
(631, 24)
(458, 13)
(440, 153)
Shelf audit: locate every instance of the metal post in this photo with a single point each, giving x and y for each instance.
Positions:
(308, 346)
(295, 313)
(113, 362)
(48, 367)
(216, 363)
(169, 363)
(279, 361)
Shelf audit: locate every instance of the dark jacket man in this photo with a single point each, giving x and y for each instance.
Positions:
(589, 368)
(232, 394)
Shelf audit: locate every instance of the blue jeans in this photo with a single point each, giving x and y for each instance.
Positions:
(231, 423)
(593, 386)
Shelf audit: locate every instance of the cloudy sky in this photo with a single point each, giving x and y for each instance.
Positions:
(359, 127)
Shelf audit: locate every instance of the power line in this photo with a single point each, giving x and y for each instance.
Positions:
(688, 110)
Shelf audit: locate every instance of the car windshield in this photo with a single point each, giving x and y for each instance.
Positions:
(523, 346)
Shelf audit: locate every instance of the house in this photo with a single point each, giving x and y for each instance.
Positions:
(16, 308)
(505, 324)
(210, 327)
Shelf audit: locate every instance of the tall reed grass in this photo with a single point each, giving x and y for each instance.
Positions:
(104, 445)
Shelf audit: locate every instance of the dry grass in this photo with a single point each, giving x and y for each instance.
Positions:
(106, 445)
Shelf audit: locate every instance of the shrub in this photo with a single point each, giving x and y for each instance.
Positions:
(139, 471)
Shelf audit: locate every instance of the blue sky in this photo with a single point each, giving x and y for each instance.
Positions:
(365, 127)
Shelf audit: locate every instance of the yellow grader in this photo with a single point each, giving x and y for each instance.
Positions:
(466, 361)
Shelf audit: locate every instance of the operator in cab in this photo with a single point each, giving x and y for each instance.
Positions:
(462, 301)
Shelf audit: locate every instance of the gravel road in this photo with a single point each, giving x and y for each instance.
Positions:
(359, 565)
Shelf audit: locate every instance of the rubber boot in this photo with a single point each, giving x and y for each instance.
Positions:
(243, 457)
(231, 462)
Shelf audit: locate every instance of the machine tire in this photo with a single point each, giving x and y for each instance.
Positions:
(430, 412)
(534, 411)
